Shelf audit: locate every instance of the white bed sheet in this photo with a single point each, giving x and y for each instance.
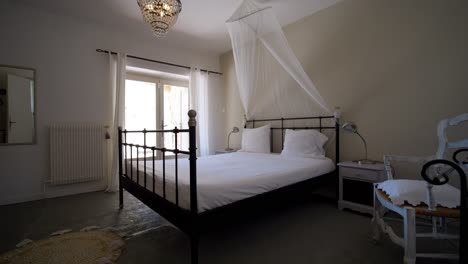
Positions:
(224, 179)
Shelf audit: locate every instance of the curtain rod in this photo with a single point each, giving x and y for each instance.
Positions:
(156, 61)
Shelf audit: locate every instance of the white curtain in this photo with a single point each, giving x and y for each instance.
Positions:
(268, 72)
(117, 77)
(199, 101)
(216, 117)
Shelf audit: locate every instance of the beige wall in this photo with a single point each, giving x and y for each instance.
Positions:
(395, 67)
(234, 110)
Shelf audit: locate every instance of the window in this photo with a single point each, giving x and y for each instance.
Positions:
(140, 110)
(156, 103)
(176, 107)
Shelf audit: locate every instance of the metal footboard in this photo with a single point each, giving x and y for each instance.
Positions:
(129, 154)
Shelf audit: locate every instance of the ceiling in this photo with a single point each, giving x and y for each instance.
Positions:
(200, 27)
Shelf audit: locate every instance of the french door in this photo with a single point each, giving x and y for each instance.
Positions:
(151, 104)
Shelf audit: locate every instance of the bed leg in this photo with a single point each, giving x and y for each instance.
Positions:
(121, 202)
(120, 168)
(410, 236)
(194, 240)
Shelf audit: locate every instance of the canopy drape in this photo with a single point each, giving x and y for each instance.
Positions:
(267, 70)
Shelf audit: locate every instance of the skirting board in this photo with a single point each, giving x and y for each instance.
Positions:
(21, 198)
(355, 207)
(57, 191)
(71, 190)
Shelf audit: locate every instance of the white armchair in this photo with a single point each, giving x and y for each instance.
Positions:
(389, 159)
(417, 196)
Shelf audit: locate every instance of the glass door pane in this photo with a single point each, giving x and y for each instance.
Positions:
(176, 107)
(140, 113)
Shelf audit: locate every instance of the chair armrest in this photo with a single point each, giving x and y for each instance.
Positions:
(402, 158)
(441, 177)
(457, 159)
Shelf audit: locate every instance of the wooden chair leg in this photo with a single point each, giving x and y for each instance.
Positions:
(409, 219)
(376, 232)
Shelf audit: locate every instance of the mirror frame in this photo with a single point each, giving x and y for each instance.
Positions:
(34, 139)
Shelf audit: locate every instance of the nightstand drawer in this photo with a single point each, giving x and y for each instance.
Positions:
(360, 174)
(358, 192)
(356, 189)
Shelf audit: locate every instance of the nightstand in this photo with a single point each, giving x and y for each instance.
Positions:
(356, 185)
(223, 151)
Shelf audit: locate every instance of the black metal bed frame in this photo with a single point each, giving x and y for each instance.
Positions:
(191, 221)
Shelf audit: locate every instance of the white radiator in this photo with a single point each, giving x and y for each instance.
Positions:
(77, 153)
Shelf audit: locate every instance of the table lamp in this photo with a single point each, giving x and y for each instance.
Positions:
(234, 130)
(352, 128)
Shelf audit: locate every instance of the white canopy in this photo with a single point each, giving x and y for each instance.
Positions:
(268, 72)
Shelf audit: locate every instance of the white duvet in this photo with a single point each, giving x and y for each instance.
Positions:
(224, 179)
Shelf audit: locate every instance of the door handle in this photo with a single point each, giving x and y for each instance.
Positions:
(10, 122)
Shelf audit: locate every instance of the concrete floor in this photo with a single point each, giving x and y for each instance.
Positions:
(312, 232)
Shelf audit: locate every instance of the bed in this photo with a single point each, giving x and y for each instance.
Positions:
(224, 179)
(195, 193)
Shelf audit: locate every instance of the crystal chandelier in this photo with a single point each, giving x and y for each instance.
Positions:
(160, 14)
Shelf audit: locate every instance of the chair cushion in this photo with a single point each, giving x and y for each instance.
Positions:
(423, 209)
(414, 192)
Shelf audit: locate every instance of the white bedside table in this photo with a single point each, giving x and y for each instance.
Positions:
(223, 151)
(356, 189)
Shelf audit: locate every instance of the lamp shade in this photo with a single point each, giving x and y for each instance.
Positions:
(349, 127)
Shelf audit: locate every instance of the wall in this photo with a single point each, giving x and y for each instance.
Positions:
(394, 67)
(71, 86)
(234, 111)
(3, 106)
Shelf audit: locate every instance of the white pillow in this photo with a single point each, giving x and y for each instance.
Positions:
(304, 143)
(256, 139)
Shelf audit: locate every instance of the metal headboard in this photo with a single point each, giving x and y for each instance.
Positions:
(320, 127)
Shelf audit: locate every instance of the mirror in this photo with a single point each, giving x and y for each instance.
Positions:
(17, 105)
